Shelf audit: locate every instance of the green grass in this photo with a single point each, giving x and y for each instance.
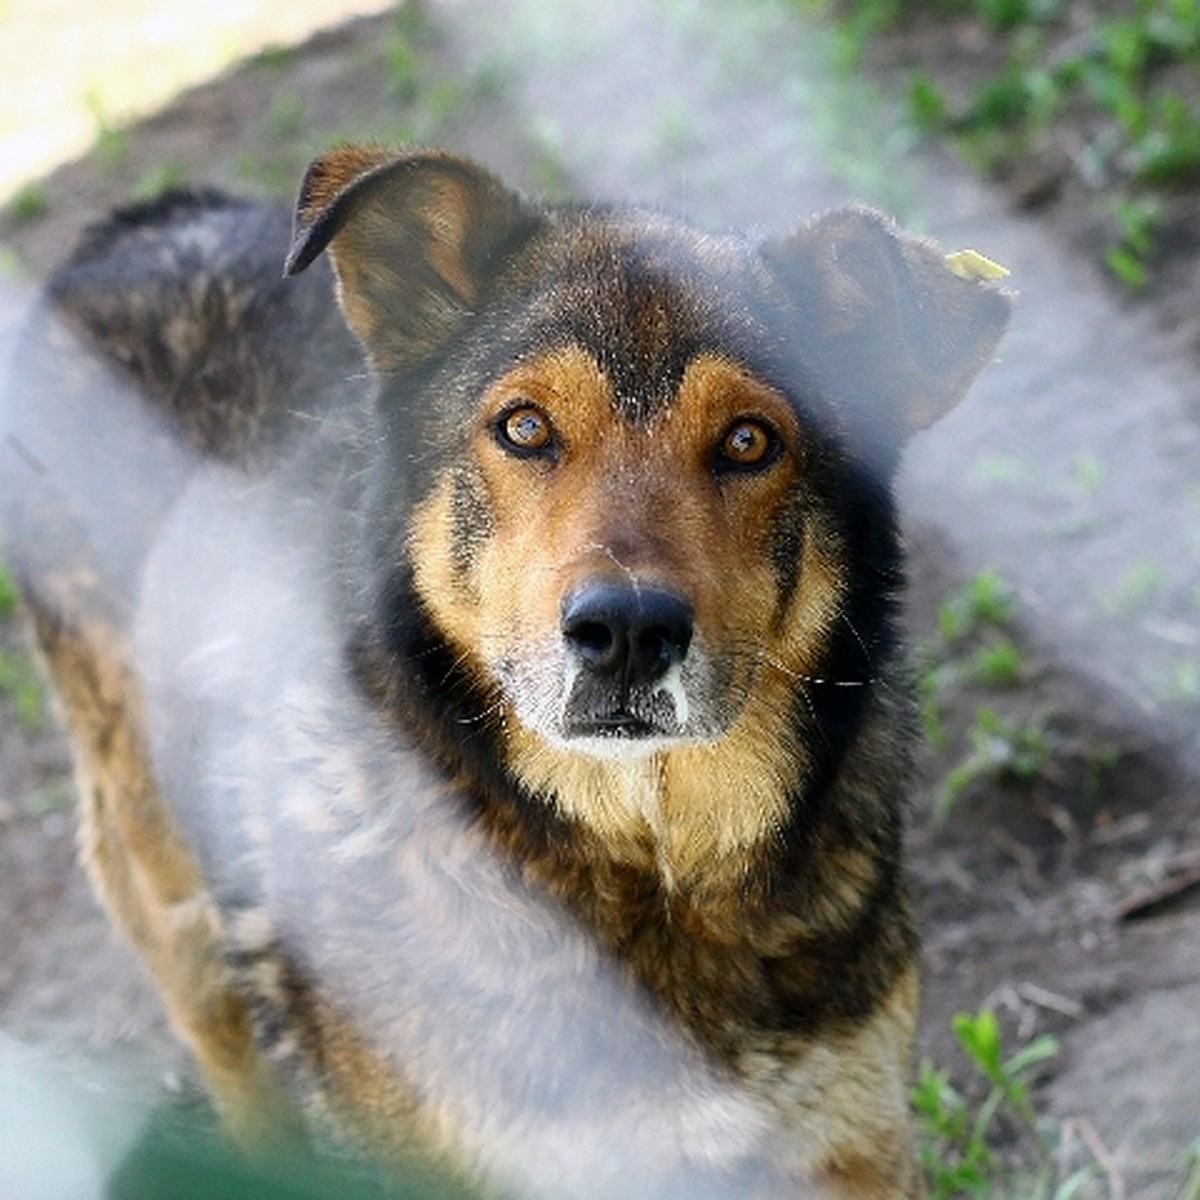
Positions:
(277, 57)
(19, 680)
(968, 644)
(20, 683)
(998, 664)
(158, 179)
(963, 1148)
(1087, 475)
(8, 592)
(30, 202)
(973, 649)
(1135, 590)
(982, 1136)
(111, 146)
(1000, 750)
(1129, 83)
(986, 599)
(286, 118)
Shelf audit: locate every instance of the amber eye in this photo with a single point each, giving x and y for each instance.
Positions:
(525, 430)
(747, 445)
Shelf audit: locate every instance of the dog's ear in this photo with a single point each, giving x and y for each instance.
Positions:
(413, 238)
(894, 333)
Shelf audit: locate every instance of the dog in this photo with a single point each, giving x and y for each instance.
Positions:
(480, 649)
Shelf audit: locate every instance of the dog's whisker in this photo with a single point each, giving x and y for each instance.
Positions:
(777, 664)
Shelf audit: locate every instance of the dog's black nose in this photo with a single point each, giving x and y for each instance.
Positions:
(634, 634)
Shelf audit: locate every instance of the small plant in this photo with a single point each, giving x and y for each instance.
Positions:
(18, 678)
(1087, 474)
(1135, 590)
(157, 180)
(8, 592)
(998, 663)
(411, 31)
(1166, 151)
(927, 103)
(1187, 681)
(959, 1144)
(955, 1153)
(1130, 85)
(20, 683)
(970, 646)
(985, 599)
(56, 796)
(30, 202)
(1129, 256)
(999, 749)
(932, 681)
(112, 142)
(276, 57)
(979, 1036)
(1003, 470)
(286, 118)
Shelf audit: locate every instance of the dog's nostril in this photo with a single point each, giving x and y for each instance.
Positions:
(638, 633)
(664, 646)
(593, 639)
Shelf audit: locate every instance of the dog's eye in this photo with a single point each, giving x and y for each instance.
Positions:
(748, 445)
(525, 430)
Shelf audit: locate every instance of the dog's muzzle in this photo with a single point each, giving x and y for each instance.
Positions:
(626, 640)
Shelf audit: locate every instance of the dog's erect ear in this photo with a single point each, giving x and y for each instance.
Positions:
(892, 330)
(413, 238)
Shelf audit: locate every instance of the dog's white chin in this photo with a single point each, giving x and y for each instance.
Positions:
(618, 747)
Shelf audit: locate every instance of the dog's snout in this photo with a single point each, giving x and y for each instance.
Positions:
(628, 632)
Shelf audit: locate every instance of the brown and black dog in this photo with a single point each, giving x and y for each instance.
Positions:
(498, 745)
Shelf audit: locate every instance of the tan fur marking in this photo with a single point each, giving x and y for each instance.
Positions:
(334, 172)
(447, 213)
(147, 880)
(847, 1096)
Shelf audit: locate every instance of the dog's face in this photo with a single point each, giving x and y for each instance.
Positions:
(644, 494)
(626, 579)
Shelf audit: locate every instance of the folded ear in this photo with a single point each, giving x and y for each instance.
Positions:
(413, 238)
(894, 333)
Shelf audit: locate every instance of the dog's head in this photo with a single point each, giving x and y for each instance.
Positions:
(638, 475)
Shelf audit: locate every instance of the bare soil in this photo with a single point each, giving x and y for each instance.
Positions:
(1063, 898)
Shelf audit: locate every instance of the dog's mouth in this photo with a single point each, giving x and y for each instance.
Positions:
(618, 734)
(617, 725)
(575, 712)
(610, 708)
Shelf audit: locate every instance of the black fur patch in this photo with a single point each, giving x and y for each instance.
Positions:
(470, 522)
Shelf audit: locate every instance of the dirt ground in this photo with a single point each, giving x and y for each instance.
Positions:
(1059, 896)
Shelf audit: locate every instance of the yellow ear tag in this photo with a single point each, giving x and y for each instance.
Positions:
(970, 264)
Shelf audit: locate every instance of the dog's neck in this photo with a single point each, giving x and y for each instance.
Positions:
(695, 815)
